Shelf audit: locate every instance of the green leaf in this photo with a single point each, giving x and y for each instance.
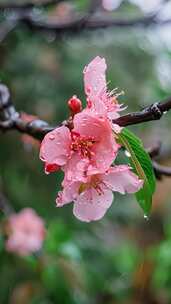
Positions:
(142, 166)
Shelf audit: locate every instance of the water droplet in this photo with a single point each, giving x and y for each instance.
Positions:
(88, 89)
(127, 153)
(51, 136)
(146, 217)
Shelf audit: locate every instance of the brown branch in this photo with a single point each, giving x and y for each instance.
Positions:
(5, 206)
(157, 155)
(6, 27)
(154, 150)
(10, 119)
(75, 26)
(161, 170)
(20, 11)
(78, 25)
(152, 112)
(28, 5)
(91, 22)
(24, 16)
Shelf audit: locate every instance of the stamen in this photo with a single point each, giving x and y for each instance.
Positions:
(83, 145)
(94, 183)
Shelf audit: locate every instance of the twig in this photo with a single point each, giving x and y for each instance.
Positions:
(156, 155)
(6, 27)
(161, 170)
(89, 22)
(5, 206)
(155, 150)
(152, 112)
(28, 5)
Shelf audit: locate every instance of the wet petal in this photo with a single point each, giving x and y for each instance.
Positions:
(70, 193)
(104, 147)
(116, 128)
(55, 148)
(94, 77)
(91, 206)
(76, 168)
(122, 179)
(88, 124)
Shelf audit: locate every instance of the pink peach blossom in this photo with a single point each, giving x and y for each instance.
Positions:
(93, 198)
(26, 232)
(89, 148)
(99, 99)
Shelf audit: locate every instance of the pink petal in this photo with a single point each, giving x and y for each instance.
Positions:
(55, 147)
(116, 128)
(105, 154)
(122, 179)
(76, 168)
(94, 77)
(91, 206)
(88, 124)
(105, 147)
(69, 193)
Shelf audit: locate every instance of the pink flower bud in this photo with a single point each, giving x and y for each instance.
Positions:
(75, 104)
(49, 168)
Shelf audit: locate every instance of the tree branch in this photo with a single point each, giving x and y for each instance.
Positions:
(6, 27)
(24, 16)
(5, 206)
(161, 170)
(28, 5)
(76, 26)
(152, 112)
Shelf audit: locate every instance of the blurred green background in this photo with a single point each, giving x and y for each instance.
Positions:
(123, 258)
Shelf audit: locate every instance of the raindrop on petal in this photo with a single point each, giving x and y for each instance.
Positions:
(127, 153)
(52, 136)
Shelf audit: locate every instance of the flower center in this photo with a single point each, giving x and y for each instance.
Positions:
(83, 144)
(95, 183)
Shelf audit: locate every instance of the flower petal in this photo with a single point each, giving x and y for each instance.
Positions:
(91, 206)
(55, 148)
(122, 179)
(88, 124)
(70, 193)
(104, 148)
(94, 77)
(76, 168)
